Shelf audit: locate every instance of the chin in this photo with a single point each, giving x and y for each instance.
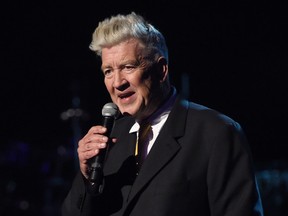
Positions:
(129, 111)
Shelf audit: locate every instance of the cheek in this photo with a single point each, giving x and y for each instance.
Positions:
(110, 90)
(146, 88)
(143, 95)
(108, 85)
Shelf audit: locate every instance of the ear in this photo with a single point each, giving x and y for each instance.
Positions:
(162, 69)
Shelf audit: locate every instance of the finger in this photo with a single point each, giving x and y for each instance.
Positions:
(95, 138)
(85, 156)
(91, 146)
(97, 130)
(91, 142)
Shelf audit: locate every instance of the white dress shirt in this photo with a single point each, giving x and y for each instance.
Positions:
(157, 120)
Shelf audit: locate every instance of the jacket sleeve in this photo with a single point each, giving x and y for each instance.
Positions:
(232, 184)
(83, 200)
(73, 202)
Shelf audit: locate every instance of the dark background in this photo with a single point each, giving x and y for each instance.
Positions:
(228, 55)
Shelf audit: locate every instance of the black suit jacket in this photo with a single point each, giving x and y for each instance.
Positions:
(200, 164)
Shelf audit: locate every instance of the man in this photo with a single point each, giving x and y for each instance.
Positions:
(198, 160)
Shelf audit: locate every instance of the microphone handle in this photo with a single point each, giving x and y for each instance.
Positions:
(96, 163)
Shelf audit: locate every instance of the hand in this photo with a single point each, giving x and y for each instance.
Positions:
(90, 145)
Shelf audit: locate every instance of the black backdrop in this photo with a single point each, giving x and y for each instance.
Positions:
(228, 55)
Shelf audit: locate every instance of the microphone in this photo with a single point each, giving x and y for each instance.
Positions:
(109, 112)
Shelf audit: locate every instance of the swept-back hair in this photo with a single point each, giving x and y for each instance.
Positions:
(119, 28)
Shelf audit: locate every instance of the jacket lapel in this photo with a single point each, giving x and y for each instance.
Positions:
(164, 148)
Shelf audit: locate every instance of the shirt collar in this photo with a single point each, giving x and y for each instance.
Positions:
(160, 114)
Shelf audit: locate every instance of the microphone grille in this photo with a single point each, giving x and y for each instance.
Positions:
(110, 110)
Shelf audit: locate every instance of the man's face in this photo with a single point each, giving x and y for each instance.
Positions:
(130, 79)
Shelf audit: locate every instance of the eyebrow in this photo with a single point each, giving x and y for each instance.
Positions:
(133, 62)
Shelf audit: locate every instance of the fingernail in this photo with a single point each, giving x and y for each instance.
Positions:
(102, 145)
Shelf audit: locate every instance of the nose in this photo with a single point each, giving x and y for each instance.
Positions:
(119, 81)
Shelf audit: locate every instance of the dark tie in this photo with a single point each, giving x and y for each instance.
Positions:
(142, 144)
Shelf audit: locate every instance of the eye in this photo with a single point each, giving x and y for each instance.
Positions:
(107, 73)
(129, 68)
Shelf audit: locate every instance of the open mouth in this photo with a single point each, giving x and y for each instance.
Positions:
(125, 95)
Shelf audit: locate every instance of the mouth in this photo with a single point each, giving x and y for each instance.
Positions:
(126, 95)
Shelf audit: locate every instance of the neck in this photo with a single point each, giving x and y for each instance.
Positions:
(158, 102)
